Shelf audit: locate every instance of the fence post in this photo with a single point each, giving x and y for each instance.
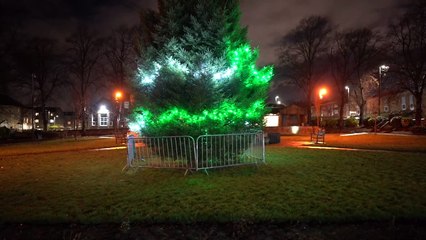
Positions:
(263, 147)
(196, 153)
(131, 147)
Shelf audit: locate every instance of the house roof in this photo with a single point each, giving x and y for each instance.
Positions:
(6, 100)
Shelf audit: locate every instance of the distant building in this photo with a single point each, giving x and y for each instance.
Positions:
(54, 118)
(70, 122)
(393, 100)
(13, 114)
(282, 115)
(101, 115)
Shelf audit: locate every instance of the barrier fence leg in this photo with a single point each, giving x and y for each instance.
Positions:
(131, 151)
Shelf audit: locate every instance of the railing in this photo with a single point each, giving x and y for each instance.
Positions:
(215, 151)
(161, 152)
(208, 151)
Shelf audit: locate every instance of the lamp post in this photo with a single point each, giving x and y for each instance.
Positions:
(277, 100)
(382, 69)
(349, 105)
(118, 95)
(321, 93)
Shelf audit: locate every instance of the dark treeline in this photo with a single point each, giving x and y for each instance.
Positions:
(85, 66)
(317, 49)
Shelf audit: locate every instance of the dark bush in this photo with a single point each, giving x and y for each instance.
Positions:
(396, 123)
(418, 130)
(330, 123)
(4, 133)
(351, 122)
(366, 122)
(369, 122)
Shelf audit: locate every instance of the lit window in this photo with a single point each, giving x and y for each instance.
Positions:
(403, 103)
(271, 120)
(36, 120)
(386, 108)
(36, 113)
(69, 122)
(103, 119)
(411, 102)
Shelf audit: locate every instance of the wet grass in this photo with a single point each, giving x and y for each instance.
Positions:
(371, 141)
(295, 185)
(59, 145)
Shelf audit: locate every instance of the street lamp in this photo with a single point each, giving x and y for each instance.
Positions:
(118, 95)
(347, 88)
(349, 105)
(321, 93)
(277, 99)
(382, 69)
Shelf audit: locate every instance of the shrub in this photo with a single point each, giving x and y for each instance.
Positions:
(369, 122)
(330, 123)
(418, 130)
(396, 123)
(351, 122)
(4, 133)
(407, 122)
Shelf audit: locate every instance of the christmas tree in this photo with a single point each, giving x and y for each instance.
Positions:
(197, 74)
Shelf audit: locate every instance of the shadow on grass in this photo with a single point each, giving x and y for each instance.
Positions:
(232, 230)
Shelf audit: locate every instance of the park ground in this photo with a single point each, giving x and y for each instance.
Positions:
(354, 187)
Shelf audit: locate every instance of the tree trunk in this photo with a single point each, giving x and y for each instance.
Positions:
(418, 114)
(361, 114)
(308, 109)
(83, 121)
(342, 104)
(44, 117)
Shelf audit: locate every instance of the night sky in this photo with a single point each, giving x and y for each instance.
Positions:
(267, 20)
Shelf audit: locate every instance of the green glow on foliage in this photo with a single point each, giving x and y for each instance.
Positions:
(243, 59)
(236, 71)
(176, 65)
(148, 76)
(226, 114)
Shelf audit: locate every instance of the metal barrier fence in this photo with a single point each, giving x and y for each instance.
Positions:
(215, 151)
(208, 151)
(161, 152)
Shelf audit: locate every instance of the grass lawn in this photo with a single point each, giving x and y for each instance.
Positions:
(305, 185)
(60, 145)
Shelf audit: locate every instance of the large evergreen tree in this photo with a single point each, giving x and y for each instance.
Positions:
(197, 72)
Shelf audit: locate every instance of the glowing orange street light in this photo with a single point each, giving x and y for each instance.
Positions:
(118, 95)
(322, 92)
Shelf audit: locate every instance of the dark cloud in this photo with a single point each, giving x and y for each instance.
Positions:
(269, 20)
(57, 18)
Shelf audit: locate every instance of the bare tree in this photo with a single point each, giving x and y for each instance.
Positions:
(41, 70)
(121, 58)
(84, 53)
(342, 68)
(408, 48)
(119, 52)
(365, 47)
(300, 52)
